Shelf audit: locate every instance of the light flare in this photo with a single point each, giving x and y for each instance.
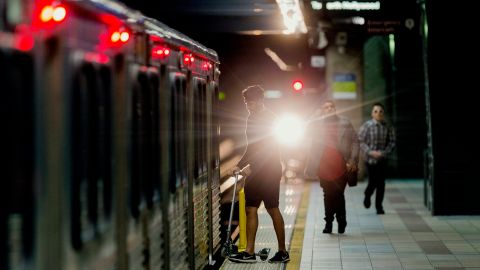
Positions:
(289, 130)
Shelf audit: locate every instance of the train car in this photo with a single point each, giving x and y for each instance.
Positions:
(110, 138)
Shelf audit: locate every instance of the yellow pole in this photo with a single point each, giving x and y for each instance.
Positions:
(242, 220)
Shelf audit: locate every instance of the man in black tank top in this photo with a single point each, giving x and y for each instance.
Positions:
(263, 182)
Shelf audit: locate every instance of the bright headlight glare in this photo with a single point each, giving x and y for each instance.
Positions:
(289, 130)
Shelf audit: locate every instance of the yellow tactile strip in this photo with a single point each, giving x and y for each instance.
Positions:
(296, 243)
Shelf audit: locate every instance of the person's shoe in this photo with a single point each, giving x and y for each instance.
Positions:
(366, 202)
(328, 227)
(280, 257)
(380, 212)
(342, 224)
(243, 257)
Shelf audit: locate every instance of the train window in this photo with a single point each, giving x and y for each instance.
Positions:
(215, 129)
(178, 128)
(197, 125)
(136, 161)
(144, 180)
(172, 140)
(142, 145)
(184, 130)
(156, 148)
(91, 173)
(200, 128)
(16, 142)
(104, 97)
(203, 91)
(81, 137)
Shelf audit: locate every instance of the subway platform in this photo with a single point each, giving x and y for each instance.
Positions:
(406, 237)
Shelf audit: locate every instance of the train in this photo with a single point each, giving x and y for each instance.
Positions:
(110, 140)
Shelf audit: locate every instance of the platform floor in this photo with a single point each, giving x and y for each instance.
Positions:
(406, 237)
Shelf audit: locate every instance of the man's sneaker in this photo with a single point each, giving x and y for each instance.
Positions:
(243, 257)
(380, 211)
(280, 257)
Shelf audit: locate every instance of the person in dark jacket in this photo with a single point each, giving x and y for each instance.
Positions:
(263, 181)
(333, 155)
(377, 140)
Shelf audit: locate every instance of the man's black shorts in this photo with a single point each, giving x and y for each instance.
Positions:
(263, 187)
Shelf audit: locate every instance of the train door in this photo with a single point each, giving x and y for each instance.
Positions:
(17, 143)
(200, 190)
(145, 238)
(91, 187)
(178, 201)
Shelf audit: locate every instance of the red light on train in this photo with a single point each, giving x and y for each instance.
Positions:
(96, 57)
(117, 36)
(188, 59)
(59, 13)
(55, 13)
(23, 40)
(160, 52)
(124, 36)
(46, 14)
(207, 66)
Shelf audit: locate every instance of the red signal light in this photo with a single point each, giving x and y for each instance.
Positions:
(297, 85)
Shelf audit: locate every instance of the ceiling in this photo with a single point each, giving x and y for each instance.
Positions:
(227, 16)
(262, 17)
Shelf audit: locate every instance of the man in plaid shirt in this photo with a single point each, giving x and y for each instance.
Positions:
(377, 140)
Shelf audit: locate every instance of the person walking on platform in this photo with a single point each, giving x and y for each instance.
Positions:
(377, 140)
(263, 181)
(332, 158)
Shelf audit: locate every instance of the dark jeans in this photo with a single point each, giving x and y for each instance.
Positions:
(334, 199)
(376, 181)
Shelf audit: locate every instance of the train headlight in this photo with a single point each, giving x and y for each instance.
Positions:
(289, 130)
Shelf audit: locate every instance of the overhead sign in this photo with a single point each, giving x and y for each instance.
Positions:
(375, 17)
(345, 5)
(344, 86)
(353, 5)
(317, 61)
(389, 26)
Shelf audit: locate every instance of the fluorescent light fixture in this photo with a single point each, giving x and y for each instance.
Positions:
(358, 20)
(316, 5)
(273, 94)
(275, 58)
(292, 16)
